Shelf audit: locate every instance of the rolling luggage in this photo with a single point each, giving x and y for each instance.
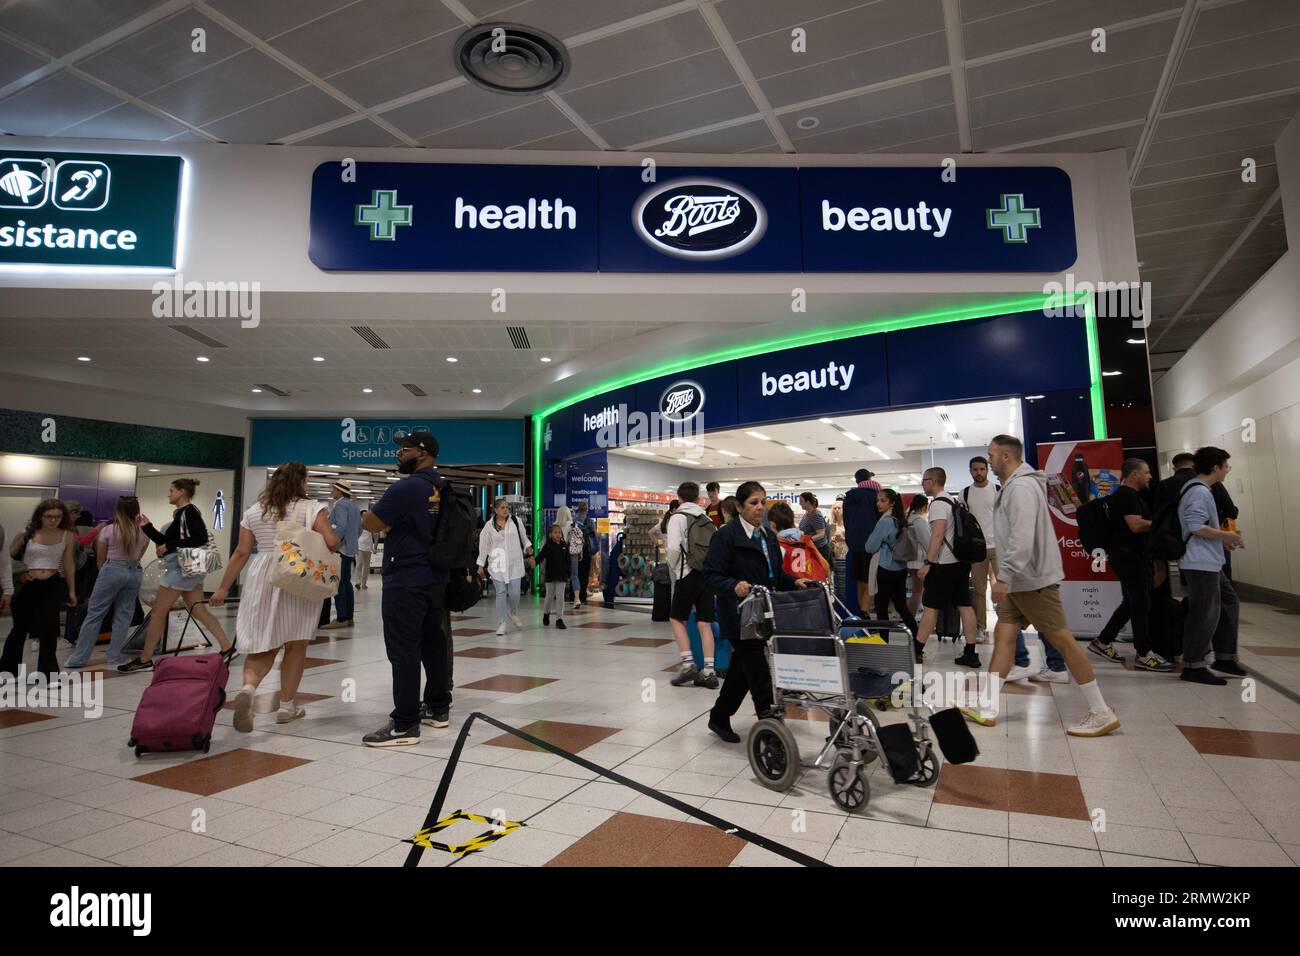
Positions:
(721, 648)
(948, 625)
(179, 708)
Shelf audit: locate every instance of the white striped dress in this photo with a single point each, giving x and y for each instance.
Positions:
(268, 617)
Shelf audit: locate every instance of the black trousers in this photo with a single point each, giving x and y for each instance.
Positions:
(584, 574)
(1134, 575)
(417, 636)
(891, 586)
(747, 673)
(36, 612)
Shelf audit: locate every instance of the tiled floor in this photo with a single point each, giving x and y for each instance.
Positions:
(1197, 775)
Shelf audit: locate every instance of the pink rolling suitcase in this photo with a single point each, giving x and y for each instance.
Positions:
(179, 709)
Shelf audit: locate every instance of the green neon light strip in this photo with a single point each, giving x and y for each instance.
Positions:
(872, 327)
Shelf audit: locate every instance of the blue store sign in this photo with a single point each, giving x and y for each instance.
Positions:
(435, 217)
(366, 441)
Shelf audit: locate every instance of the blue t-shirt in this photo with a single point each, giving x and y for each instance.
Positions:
(1196, 510)
(410, 509)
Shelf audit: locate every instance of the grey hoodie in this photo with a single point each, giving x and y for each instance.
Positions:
(1028, 556)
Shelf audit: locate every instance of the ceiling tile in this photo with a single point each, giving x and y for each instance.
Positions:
(1246, 83)
(275, 119)
(750, 18)
(1126, 138)
(533, 121)
(363, 31)
(733, 139)
(1250, 18)
(632, 50)
(69, 24)
(883, 135)
(571, 139)
(266, 20)
(415, 67)
(1275, 109)
(1060, 122)
(361, 133)
(1131, 83)
(127, 121)
(452, 108)
(687, 77)
(993, 32)
(231, 85)
(564, 18)
(52, 104)
(15, 63)
(677, 117)
(855, 70)
(898, 101)
(162, 54)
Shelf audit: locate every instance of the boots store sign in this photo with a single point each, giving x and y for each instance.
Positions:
(89, 209)
(433, 217)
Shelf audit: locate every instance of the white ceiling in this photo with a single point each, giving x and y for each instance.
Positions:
(828, 457)
(1187, 88)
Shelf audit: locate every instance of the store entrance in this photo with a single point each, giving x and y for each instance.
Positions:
(817, 456)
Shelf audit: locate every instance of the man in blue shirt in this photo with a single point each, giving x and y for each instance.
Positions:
(345, 519)
(1212, 603)
(415, 623)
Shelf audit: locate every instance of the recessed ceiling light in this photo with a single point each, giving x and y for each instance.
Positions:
(1030, 398)
(807, 122)
(367, 390)
(638, 451)
(257, 391)
(201, 358)
(1057, 433)
(83, 358)
(318, 358)
(729, 454)
(153, 469)
(827, 421)
(1053, 418)
(877, 451)
(1109, 374)
(851, 437)
(797, 451)
(1136, 341)
(477, 391)
(546, 358)
(687, 461)
(452, 358)
(759, 435)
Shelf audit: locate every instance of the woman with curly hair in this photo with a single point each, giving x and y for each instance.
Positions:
(270, 618)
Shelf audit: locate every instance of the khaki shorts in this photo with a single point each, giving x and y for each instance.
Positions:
(1040, 609)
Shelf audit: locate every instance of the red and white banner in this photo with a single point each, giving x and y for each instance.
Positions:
(1077, 472)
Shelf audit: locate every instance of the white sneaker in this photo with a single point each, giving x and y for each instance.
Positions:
(288, 715)
(1095, 724)
(577, 603)
(514, 619)
(1020, 673)
(982, 637)
(244, 711)
(1048, 676)
(501, 629)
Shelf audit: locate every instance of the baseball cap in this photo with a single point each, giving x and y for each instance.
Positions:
(420, 440)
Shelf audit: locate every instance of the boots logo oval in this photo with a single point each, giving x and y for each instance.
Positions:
(681, 401)
(699, 219)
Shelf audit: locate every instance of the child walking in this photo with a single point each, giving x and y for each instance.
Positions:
(555, 559)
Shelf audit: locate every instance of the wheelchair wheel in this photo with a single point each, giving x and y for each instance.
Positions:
(848, 786)
(773, 754)
(929, 772)
(864, 711)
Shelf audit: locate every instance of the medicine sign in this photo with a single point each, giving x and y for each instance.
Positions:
(89, 209)
(437, 217)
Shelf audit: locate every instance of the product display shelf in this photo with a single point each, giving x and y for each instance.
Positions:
(642, 548)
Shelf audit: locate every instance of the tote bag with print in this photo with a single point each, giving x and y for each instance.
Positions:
(200, 561)
(304, 564)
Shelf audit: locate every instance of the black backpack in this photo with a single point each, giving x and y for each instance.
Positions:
(968, 545)
(1167, 541)
(1094, 525)
(464, 589)
(455, 539)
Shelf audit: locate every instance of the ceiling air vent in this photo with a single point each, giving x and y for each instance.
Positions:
(370, 336)
(272, 389)
(511, 58)
(198, 336)
(415, 390)
(518, 337)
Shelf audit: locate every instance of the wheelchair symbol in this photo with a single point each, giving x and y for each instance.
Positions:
(363, 434)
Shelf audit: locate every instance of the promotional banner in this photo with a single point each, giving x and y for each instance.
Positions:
(89, 209)
(373, 441)
(1077, 472)
(588, 480)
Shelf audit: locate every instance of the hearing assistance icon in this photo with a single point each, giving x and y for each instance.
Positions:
(81, 185)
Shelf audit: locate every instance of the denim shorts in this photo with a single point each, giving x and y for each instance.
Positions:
(173, 578)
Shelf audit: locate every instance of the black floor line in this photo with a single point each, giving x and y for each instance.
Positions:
(435, 809)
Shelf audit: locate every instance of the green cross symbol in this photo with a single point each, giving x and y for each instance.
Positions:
(1013, 218)
(383, 215)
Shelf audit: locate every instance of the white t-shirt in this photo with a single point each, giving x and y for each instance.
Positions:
(940, 510)
(980, 503)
